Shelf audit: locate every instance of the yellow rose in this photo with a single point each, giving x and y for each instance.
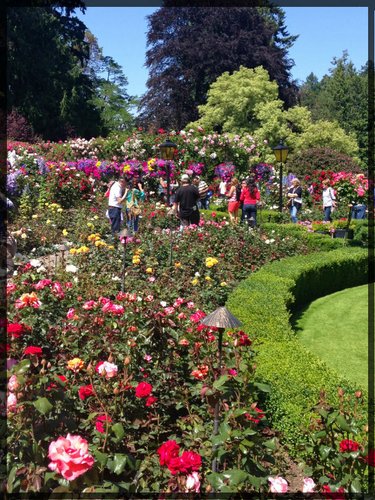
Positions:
(65, 232)
(59, 209)
(75, 364)
(195, 281)
(149, 270)
(223, 283)
(48, 221)
(207, 278)
(73, 251)
(177, 265)
(35, 216)
(90, 224)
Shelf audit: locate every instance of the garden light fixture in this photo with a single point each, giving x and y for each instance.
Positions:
(281, 153)
(221, 319)
(167, 150)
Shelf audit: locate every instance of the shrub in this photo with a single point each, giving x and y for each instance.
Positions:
(18, 128)
(305, 162)
(264, 303)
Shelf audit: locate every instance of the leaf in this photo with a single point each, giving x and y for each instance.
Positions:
(119, 461)
(215, 480)
(22, 367)
(118, 429)
(271, 443)
(324, 451)
(342, 423)
(262, 387)
(236, 476)
(11, 478)
(43, 405)
(220, 381)
(101, 457)
(355, 487)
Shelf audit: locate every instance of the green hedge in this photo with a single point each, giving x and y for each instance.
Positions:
(263, 302)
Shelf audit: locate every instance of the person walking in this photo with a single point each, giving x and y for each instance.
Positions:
(233, 196)
(250, 196)
(134, 195)
(294, 199)
(329, 200)
(117, 193)
(203, 192)
(186, 203)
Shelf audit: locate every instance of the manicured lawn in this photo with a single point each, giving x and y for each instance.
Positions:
(335, 328)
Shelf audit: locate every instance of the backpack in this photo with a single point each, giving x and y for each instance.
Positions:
(238, 193)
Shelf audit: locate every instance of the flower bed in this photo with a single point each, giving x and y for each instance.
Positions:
(89, 364)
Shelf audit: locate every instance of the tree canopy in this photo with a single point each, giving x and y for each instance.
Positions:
(246, 101)
(342, 95)
(188, 48)
(49, 80)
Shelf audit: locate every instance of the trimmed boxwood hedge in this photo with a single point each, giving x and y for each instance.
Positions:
(264, 302)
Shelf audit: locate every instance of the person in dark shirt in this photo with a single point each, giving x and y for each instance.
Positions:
(185, 203)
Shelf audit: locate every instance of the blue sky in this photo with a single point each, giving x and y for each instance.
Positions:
(325, 32)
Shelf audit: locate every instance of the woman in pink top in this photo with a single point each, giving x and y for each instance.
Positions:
(250, 196)
(234, 203)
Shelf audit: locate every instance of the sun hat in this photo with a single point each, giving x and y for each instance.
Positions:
(184, 177)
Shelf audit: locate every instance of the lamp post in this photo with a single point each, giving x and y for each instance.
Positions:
(167, 150)
(281, 153)
(221, 319)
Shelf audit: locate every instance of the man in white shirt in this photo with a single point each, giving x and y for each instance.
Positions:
(117, 195)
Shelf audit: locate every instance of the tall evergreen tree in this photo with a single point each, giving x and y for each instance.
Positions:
(342, 95)
(189, 47)
(45, 78)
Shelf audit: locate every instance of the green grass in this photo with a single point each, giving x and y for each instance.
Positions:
(335, 328)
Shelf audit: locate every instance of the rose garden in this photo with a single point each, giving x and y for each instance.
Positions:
(113, 379)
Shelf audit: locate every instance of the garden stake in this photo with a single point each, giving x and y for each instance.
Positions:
(123, 234)
(221, 319)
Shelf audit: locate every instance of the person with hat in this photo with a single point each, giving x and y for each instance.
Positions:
(186, 203)
(203, 192)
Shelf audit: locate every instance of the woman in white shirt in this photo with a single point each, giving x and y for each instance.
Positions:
(329, 200)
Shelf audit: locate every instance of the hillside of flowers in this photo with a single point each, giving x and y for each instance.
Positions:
(112, 378)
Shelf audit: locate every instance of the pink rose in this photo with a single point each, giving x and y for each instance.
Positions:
(57, 290)
(193, 483)
(90, 304)
(308, 485)
(278, 485)
(11, 403)
(42, 284)
(13, 384)
(71, 313)
(108, 369)
(70, 457)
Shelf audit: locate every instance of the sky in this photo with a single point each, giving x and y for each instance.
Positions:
(324, 33)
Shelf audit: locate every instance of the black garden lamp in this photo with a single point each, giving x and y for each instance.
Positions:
(167, 150)
(221, 319)
(281, 153)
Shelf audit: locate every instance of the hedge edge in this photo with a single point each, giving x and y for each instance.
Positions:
(264, 303)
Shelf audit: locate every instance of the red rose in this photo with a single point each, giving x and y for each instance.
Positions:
(189, 461)
(54, 386)
(143, 390)
(85, 391)
(192, 461)
(168, 450)
(257, 418)
(151, 400)
(33, 351)
(99, 423)
(348, 445)
(15, 329)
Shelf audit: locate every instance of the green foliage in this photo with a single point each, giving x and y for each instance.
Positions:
(247, 101)
(264, 301)
(304, 162)
(341, 95)
(232, 100)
